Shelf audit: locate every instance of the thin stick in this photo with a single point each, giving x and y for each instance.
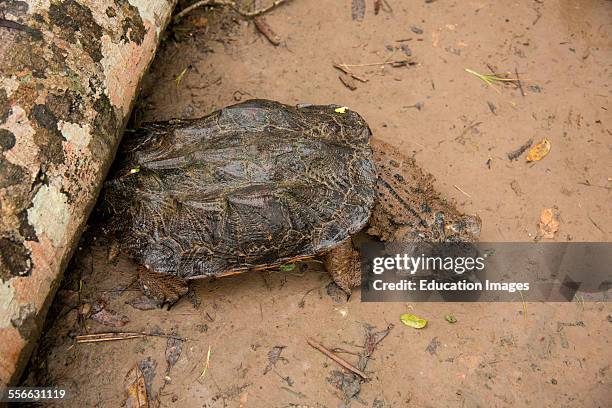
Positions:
(372, 64)
(458, 188)
(349, 72)
(232, 4)
(337, 359)
(518, 81)
(111, 336)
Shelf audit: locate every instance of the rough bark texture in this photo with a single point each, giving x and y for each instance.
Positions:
(69, 72)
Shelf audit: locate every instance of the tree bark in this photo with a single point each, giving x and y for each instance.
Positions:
(69, 74)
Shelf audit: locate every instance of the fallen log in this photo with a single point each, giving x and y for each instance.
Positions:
(69, 74)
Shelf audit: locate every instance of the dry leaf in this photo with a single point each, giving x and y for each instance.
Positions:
(373, 338)
(135, 389)
(539, 151)
(174, 347)
(549, 223)
(274, 355)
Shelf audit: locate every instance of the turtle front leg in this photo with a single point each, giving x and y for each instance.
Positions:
(344, 266)
(161, 288)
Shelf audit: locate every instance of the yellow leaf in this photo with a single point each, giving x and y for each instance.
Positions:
(539, 151)
(341, 109)
(135, 389)
(413, 321)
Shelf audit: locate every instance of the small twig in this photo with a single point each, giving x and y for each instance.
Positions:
(206, 365)
(337, 359)
(349, 72)
(231, 4)
(111, 336)
(264, 28)
(588, 184)
(515, 154)
(373, 64)
(595, 224)
(341, 350)
(458, 188)
(302, 302)
(468, 128)
(518, 81)
(296, 393)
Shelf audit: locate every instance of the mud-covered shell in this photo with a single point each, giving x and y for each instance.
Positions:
(252, 185)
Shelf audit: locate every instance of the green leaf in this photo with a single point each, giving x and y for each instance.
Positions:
(450, 318)
(413, 321)
(287, 267)
(135, 170)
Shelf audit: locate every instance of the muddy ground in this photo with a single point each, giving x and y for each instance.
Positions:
(457, 128)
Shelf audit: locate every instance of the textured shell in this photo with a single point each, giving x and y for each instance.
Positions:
(255, 184)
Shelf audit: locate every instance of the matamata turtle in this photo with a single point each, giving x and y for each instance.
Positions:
(261, 184)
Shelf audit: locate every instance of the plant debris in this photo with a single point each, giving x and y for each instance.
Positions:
(514, 185)
(274, 355)
(432, 348)
(373, 338)
(337, 359)
(358, 8)
(348, 81)
(111, 336)
(178, 80)
(348, 383)
(515, 154)
(206, 365)
(492, 79)
(413, 321)
(174, 347)
(539, 151)
(231, 4)
(492, 107)
(549, 223)
(262, 25)
(450, 318)
(147, 367)
(135, 389)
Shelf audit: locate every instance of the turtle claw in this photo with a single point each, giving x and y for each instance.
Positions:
(343, 265)
(161, 288)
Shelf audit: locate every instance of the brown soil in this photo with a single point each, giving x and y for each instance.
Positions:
(510, 354)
